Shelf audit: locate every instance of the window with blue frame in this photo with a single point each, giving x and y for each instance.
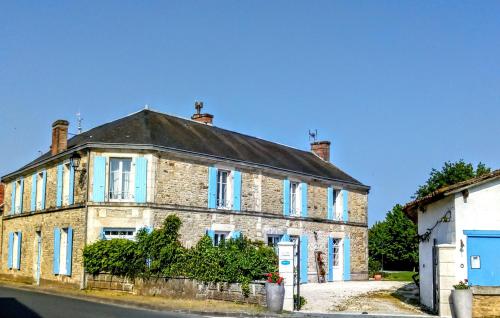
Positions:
(220, 237)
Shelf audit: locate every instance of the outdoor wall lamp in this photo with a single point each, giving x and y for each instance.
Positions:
(74, 160)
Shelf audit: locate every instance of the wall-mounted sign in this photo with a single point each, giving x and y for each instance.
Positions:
(475, 262)
(285, 262)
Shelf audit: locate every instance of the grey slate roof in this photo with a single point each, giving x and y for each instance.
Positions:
(157, 129)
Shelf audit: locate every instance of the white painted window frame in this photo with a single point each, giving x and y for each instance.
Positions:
(131, 193)
(39, 190)
(120, 229)
(295, 198)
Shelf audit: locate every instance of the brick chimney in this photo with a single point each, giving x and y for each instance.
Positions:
(202, 118)
(59, 136)
(321, 149)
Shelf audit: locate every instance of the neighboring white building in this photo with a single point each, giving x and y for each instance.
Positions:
(459, 229)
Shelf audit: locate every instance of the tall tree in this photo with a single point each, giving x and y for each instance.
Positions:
(450, 173)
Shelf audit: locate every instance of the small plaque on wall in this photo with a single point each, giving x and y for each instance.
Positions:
(475, 262)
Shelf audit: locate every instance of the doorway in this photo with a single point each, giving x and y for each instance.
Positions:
(337, 261)
(38, 257)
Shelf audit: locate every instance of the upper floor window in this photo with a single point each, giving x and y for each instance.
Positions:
(18, 201)
(119, 178)
(65, 184)
(295, 198)
(39, 191)
(223, 189)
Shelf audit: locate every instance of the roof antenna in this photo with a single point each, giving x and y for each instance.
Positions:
(313, 135)
(146, 106)
(198, 105)
(79, 120)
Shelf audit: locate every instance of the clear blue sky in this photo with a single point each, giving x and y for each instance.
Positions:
(399, 87)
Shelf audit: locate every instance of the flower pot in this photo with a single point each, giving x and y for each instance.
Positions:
(377, 276)
(462, 303)
(275, 295)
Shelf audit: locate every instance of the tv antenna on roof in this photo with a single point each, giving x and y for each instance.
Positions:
(79, 122)
(313, 135)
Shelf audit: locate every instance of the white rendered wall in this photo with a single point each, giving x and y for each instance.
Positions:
(444, 233)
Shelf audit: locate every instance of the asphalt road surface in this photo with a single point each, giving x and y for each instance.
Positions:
(15, 303)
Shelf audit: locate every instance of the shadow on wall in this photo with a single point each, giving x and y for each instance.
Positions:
(10, 307)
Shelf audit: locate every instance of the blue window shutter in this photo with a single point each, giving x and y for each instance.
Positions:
(286, 197)
(33, 192)
(330, 259)
(141, 179)
(211, 234)
(303, 191)
(59, 185)
(57, 249)
(99, 179)
(345, 204)
(285, 238)
(13, 198)
(19, 242)
(212, 187)
(11, 250)
(236, 235)
(237, 190)
(102, 236)
(44, 186)
(71, 192)
(330, 203)
(304, 242)
(21, 195)
(69, 251)
(347, 258)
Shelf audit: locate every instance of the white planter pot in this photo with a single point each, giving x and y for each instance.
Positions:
(462, 303)
(275, 295)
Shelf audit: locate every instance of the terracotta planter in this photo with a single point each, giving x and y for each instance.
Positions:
(275, 295)
(462, 303)
(377, 276)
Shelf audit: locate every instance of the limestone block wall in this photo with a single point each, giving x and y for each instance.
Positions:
(358, 207)
(45, 222)
(317, 200)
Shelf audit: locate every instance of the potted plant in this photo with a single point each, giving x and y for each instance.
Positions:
(462, 300)
(275, 292)
(377, 276)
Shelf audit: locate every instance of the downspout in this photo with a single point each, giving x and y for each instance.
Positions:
(83, 282)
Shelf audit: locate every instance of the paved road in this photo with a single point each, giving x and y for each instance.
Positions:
(15, 303)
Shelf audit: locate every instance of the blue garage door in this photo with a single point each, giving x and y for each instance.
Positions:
(483, 257)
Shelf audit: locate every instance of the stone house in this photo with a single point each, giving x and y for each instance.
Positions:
(459, 230)
(131, 173)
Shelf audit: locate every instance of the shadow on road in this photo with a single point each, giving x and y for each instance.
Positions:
(11, 308)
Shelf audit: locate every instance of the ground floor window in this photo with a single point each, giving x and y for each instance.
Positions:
(14, 257)
(273, 240)
(125, 233)
(220, 237)
(63, 251)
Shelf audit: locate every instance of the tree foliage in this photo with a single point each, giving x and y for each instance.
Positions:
(450, 173)
(393, 242)
(159, 253)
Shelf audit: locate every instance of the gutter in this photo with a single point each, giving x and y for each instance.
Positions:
(175, 150)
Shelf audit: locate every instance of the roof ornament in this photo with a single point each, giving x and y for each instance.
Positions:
(198, 105)
(313, 135)
(146, 107)
(79, 120)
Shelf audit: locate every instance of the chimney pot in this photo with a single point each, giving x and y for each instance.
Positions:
(59, 136)
(321, 149)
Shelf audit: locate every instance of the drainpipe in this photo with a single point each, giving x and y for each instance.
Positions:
(83, 282)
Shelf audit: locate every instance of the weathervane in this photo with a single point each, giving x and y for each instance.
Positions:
(198, 105)
(313, 135)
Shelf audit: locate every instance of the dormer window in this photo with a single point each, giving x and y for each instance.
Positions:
(119, 178)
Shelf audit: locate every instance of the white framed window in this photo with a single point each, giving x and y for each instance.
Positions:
(224, 189)
(63, 251)
(18, 199)
(337, 205)
(39, 190)
(65, 184)
(15, 251)
(123, 233)
(336, 252)
(120, 173)
(273, 240)
(220, 236)
(295, 198)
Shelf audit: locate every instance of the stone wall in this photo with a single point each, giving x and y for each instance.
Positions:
(358, 207)
(45, 222)
(317, 200)
(180, 288)
(485, 302)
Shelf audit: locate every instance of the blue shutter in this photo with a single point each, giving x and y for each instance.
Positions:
(347, 258)
(211, 234)
(303, 191)
(11, 249)
(13, 198)
(59, 185)
(33, 192)
(303, 258)
(212, 187)
(330, 204)
(44, 186)
(69, 251)
(102, 236)
(19, 241)
(286, 197)
(21, 195)
(237, 190)
(330, 259)
(236, 235)
(99, 179)
(285, 238)
(57, 249)
(71, 192)
(141, 179)
(345, 204)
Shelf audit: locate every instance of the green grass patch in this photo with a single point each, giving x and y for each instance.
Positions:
(399, 276)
